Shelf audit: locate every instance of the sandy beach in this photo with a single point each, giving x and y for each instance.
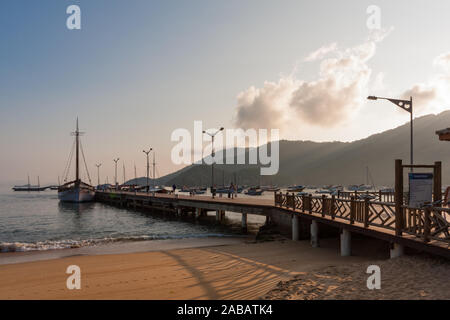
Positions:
(407, 277)
(236, 271)
(241, 270)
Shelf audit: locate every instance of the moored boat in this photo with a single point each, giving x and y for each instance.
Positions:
(254, 192)
(298, 188)
(76, 190)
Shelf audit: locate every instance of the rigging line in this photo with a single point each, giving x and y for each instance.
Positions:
(85, 165)
(68, 168)
(69, 161)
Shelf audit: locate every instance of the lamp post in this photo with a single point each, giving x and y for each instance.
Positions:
(148, 164)
(115, 172)
(212, 135)
(98, 173)
(154, 173)
(406, 105)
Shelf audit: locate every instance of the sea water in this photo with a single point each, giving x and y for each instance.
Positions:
(39, 221)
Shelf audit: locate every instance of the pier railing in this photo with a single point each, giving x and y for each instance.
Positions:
(429, 223)
(383, 196)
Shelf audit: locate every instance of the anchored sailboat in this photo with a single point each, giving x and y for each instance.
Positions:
(76, 190)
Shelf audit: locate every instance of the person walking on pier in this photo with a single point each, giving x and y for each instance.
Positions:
(213, 191)
(174, 187)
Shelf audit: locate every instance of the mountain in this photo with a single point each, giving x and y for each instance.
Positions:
(307, 162)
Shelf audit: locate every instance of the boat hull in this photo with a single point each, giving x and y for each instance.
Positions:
(76, 195)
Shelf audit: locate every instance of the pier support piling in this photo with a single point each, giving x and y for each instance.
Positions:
(295, 231)
(346, 243)
(197, 213)
(397, 250)
(218, 216)
(244, 222)
(314, 234)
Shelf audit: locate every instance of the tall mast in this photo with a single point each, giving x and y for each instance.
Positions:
(77, 172)
(28, 180)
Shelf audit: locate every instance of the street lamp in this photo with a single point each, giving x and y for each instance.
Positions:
(406, 105)
(212, 135)
(148, 165)
(115, 172)
(98, 173)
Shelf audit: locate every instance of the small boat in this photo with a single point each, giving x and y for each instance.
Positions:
(298, 188)
(324, 191)
(28, 187)
(76, 190)
(158, 190)
(270, 188)
(254, 192)
(223, 190)
(365, 196)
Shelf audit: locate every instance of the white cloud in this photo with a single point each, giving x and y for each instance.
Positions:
(338, 92)
(321, 52)
(432, 96)
(339, 88)
(443, 61)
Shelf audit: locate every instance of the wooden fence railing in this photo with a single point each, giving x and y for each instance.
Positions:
(426, 223)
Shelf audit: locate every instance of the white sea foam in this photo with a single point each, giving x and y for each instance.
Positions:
(67, 244)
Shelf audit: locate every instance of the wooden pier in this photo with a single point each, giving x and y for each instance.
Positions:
(422, 229)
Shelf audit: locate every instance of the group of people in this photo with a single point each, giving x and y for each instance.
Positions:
(232, 191)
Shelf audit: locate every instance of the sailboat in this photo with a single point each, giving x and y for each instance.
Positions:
(29, 187)
(76, 190)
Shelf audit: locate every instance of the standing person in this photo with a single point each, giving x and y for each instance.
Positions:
(230, 190)
(235, 190)
(174, 187)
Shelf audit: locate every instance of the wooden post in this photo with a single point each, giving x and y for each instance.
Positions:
(293, 201)
(310, 203)
(352, 210)
(426, 229)
(366, 213)
(332, 207)
(379, 196)
(303, 203)
(437, 182)
(323, 205)
(398, 197)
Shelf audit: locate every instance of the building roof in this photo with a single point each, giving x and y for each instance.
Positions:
(444, 134)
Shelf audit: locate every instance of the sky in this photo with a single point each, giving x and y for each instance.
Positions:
(138, 70)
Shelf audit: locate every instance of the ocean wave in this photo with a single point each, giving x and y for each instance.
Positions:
(68, 244)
